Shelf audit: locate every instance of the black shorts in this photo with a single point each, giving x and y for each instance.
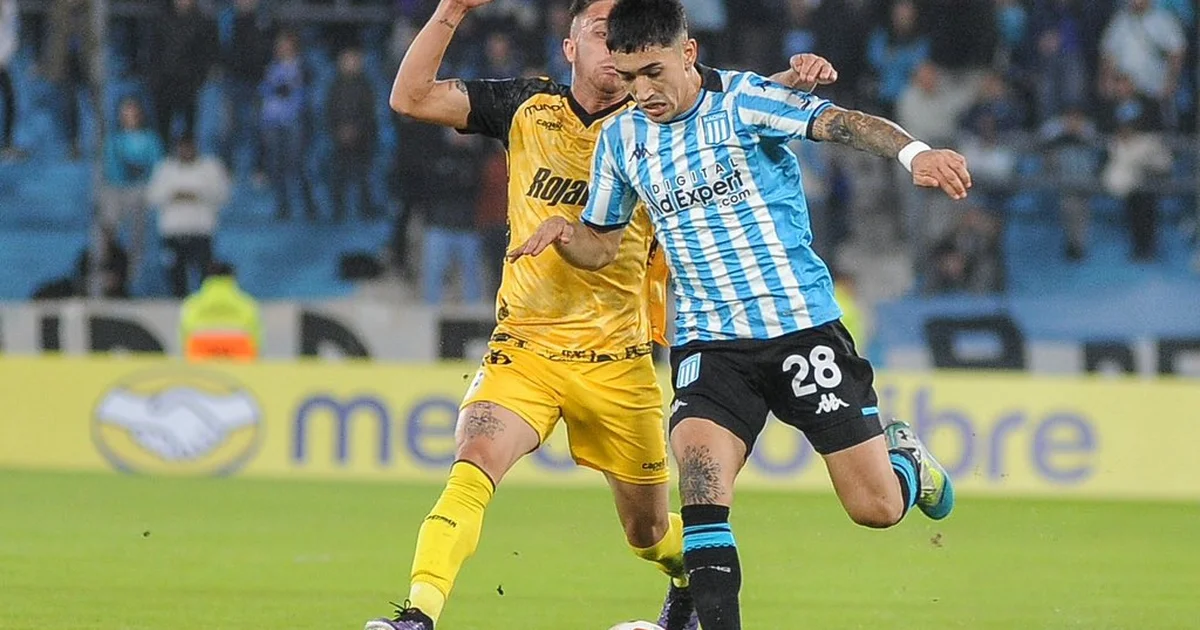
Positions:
(813, 380)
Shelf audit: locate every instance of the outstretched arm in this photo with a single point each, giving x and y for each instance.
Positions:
(933, 168)
(580, 244)
(417, 92)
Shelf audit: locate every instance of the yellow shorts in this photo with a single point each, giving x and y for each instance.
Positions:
(613, 409)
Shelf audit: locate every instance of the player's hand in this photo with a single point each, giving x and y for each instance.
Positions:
(553, 230)
(942, 168)
(811, 70)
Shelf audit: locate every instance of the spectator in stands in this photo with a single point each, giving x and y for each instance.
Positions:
(189, 191)
(350, 109)
(930, 109)
(707, 21)
(113, 270)
(499, 58)
(448, 203)
(69, 62)
(244, 57)
(962, 33)
(9, 40)
(1136, 154)
(968, 257)
(491, 218)
(130, 154)
(558, 27)
(895, 52)
(1012, 25)
(185, 49)
(284, 94)
(1146, 44)
(1072, 147)
(993, 161)
(1060, 66)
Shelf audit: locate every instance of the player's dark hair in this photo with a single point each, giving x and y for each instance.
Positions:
(635, 25)
(579, 6)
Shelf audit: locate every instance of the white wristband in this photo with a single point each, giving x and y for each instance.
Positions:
(910, 151)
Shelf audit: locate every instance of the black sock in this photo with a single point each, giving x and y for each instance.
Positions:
(714, 573)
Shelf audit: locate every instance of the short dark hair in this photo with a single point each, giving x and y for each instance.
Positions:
(579, 6)
(635, 25)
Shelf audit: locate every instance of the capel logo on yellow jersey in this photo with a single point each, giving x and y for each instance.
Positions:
(178, 422)
(549, 187)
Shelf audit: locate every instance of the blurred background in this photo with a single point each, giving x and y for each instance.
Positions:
(1043, 335)
(1078, 119)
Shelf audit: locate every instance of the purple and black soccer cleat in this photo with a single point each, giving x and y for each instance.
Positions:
(406, 618)
(679, 611)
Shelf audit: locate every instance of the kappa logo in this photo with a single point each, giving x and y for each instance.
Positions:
(677, 405)
(640, 152)
(829, 403)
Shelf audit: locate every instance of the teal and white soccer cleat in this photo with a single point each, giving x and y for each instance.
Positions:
(936, 499)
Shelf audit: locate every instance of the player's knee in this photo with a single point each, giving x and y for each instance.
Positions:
(645, 530)
(880, 513)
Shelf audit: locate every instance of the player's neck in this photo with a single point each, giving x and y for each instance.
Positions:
(593, 100)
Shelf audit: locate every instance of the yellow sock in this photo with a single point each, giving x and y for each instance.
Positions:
(448, 537)
(667, 554)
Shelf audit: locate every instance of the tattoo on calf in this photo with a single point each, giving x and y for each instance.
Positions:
(699, 476)
(481, 422)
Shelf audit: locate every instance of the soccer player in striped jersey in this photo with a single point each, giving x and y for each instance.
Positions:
(757, 325)
(569, 345)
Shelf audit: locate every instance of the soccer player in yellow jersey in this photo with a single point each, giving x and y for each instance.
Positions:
(568, 344)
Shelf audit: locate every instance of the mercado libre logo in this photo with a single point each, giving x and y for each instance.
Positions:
(178, 421)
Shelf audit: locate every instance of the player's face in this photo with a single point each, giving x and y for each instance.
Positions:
(658, 78)
(588, 53)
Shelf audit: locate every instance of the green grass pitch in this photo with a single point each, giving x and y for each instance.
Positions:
(120, 553)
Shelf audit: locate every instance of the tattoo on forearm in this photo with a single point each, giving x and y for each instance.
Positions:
(448, 24)
(481, 422)
(860, 131)
(699, 476)
(461, 85)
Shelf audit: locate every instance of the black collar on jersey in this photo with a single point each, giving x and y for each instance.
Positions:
(710, 79)
(589, 119)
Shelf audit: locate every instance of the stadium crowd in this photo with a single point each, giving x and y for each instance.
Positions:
(1079, 97)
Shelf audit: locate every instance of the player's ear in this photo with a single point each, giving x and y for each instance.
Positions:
(569, 50)
(691, 52)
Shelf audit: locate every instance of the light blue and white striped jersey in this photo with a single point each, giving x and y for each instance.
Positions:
(725, 196)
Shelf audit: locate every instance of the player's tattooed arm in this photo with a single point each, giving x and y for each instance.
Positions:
(931, 168)
(417, 92)
(860, 131)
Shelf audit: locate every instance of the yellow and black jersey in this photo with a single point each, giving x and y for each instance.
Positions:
(567, 312)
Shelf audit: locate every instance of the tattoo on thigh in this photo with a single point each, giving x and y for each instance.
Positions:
(699, 476)
(481, 422)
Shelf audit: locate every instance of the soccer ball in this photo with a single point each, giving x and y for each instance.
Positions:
(636, 625)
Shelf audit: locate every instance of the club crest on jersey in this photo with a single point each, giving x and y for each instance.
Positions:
(717, 127)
